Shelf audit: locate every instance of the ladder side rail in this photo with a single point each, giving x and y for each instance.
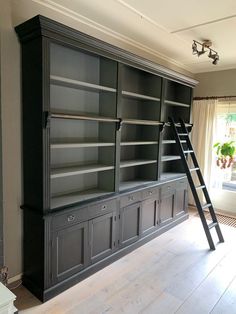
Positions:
(192, 186)
(202, 182)
(200, 177)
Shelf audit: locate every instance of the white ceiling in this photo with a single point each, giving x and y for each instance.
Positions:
(166, 28)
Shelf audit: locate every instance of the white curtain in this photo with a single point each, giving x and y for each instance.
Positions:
(203, 118)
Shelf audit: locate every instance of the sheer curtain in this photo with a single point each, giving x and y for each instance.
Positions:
(203, 118)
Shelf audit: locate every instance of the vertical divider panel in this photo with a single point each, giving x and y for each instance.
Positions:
(118, 128)
(46, 127)
(162, 114)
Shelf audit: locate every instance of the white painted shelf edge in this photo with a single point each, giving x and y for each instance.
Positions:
(63, 81)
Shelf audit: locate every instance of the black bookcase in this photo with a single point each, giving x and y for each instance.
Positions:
(101, 171)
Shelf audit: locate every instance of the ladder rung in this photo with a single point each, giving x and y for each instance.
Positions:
(212, 225)
(200, 187)
(193, 169)
(188, 151)
(183, 134)
(206, 206)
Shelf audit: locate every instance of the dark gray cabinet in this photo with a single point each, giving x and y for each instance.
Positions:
(167, 203)
(69, 251)
(149, 216)
(130, 227)
(181, 198)
(101, 175)
(102, 236)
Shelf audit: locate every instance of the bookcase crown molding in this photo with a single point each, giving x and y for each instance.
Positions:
(43, 26)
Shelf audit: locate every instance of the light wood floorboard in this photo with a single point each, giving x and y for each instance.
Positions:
(174, 273)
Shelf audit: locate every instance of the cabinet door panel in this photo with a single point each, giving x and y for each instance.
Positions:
(69, 254)
(102, 236)
(149, 216)
(130, 224)
(180, 202)
(167, 209)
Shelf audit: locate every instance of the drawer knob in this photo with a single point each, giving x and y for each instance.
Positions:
(150, 192)
(168, 187)
(131, 198)
(104, 207)
(70, 218)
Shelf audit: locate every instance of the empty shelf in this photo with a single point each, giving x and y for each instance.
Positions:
(125, 185)
(135, 162)
(63, 81)
(74, 170)
(74, 197)
(175, 103)
(168, 158)
(139, 96)
(80, 145)
(127, 143)
(171, 175)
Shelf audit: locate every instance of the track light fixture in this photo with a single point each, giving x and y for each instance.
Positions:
(204, 47)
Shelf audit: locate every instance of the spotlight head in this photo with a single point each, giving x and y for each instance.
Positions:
(210, 54)
(199, 53)
(216, 59)
(194, 48)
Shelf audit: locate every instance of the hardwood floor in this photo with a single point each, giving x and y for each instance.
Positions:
(174, 273)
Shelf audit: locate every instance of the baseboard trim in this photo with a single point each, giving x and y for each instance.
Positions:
(15, 278)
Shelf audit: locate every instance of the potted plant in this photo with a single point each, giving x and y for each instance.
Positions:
(225, 154)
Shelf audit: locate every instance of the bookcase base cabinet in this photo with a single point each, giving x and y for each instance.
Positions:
(70, 245)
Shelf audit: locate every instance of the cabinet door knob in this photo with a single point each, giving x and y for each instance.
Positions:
(150, 192)
(104, 207)
(70, 218)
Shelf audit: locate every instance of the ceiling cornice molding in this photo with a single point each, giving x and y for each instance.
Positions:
(105, 30)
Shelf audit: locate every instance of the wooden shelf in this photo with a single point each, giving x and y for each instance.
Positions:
(125, 185)
(171, 175)
(142, 122)
(77, 196)
(61, 145)
(63, 81)
(175, 103)
(139, 96)
(135, 162)
(130, 143)
(169, 158)
(75, 170)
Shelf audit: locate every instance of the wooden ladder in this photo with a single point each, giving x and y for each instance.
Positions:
(182, 138)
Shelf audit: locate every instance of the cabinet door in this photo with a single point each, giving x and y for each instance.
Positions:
(181, 197)
(149, 217)
(130, 224)
(69, 251)
(102, 236)
(167, 207)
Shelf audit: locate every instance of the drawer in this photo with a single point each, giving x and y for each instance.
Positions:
(102, 208)
(168, 189)
(70, 218)
(181, 184)
(148, 193)
(130, 199)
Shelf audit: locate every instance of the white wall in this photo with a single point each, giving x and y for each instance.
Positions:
(13, 12)
(219, 83)
(11, 141)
